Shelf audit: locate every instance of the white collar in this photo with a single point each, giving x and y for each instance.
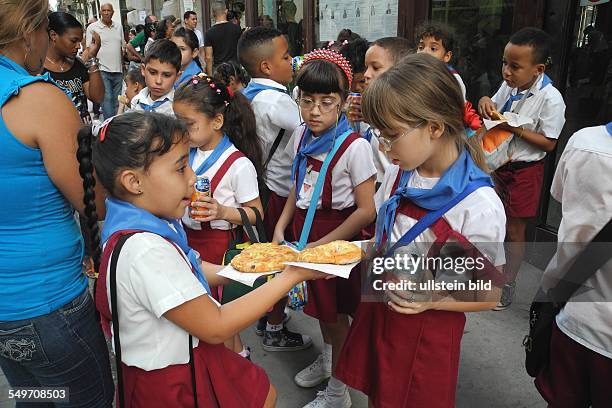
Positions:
(144, 96)
(269, 82)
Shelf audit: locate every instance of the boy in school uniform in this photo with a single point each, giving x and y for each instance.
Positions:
(436, 39)
(381, 56)
(161, 68)
(264, 53)
(519, 182)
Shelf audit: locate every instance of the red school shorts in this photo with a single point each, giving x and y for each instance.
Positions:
(576, 376)
(519, 185)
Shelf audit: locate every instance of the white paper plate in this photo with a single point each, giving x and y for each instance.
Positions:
(242, 277)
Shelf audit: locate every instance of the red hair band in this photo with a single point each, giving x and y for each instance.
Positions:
(333, 57)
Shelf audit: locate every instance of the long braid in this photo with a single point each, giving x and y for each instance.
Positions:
(86, 170)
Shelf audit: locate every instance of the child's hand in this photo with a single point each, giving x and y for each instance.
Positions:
(278, 236)
(307, 274)
(354, 110)
(486, 107)
(207, 209)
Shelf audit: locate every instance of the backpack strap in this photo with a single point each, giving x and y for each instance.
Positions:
(223, 169)
(274, 147)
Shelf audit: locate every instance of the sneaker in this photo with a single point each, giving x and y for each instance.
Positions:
(261, 323)
(314, 374)
(285, 340)
(324, 400)
(507, 296)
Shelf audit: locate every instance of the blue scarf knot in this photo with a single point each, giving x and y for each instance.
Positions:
(223, 145)
(121, 216)
(319, 145)
(513, 98)
(451, 184)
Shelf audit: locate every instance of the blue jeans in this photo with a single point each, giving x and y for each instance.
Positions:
(65, 348)
(113, 82)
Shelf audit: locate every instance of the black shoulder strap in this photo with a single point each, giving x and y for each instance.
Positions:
(590, 260)
(115, 318)
(275, 145)
(261, 230)
(246, 224)
(115, 314)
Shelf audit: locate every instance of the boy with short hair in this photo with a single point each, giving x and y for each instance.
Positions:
(382, 54)
(264, 53)
(519, 182)
(161, 68)
(437, 40)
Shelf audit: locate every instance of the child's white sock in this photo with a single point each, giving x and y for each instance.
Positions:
(335, 387)
(274, 327)
(327, 356)
(245, 352)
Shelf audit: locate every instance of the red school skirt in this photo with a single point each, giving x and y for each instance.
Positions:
(212, 245)
(223, 379)
(519, 186)
(403, 360)
(328, 298)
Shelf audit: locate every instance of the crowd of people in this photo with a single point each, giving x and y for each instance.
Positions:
(365, 141)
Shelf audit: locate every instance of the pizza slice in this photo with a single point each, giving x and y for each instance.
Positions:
(335, 252)
(265, 257)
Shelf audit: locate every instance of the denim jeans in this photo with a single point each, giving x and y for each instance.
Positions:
(113, 82)
(65, 348)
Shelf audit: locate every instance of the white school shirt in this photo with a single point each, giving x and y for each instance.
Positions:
(381, 161)
(239, 185)
(581, 184)
(144, 96)
(111, 45)
(274, 111)
(547, 112)
(152, 278)
(480, 217)
(354, 167)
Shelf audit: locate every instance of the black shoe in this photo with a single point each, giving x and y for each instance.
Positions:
(285, 340)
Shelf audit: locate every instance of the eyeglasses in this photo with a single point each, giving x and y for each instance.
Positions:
(386, 143)
(325, 106)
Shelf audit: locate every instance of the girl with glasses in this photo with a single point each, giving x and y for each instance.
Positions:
(333, 170)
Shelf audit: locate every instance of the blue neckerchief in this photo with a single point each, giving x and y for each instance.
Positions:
(151, 108)
(513, 98)
(609, 128)
(451, 184)
(309, 147)
(223, 145)
(368, 135)
(254, 88)
(191, 70)
(121, 216)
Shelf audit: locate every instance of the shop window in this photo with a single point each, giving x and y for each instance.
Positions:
(481, 29)
(588, 88)
(286, 16)
(371, 19)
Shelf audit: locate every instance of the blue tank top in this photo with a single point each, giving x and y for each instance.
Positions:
(41, 248)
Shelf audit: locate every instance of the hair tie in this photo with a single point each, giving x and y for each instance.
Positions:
(99, 130)
(333, 57)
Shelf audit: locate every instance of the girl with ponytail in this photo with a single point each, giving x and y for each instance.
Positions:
(225, 149)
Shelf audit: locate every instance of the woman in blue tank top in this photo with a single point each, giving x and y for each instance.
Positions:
(49, 336)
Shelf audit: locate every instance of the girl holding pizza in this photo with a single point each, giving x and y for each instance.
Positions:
(167, 330)
(435, 171)
(333, 176)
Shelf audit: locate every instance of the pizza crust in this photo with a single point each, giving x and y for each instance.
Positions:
(264, 257)
(335, 252)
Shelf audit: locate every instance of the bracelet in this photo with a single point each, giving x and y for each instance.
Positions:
(520, 132)
(93, 61)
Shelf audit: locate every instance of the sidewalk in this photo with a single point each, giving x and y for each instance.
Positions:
(491, 373)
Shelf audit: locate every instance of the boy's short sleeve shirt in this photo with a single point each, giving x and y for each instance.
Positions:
(546, 109)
